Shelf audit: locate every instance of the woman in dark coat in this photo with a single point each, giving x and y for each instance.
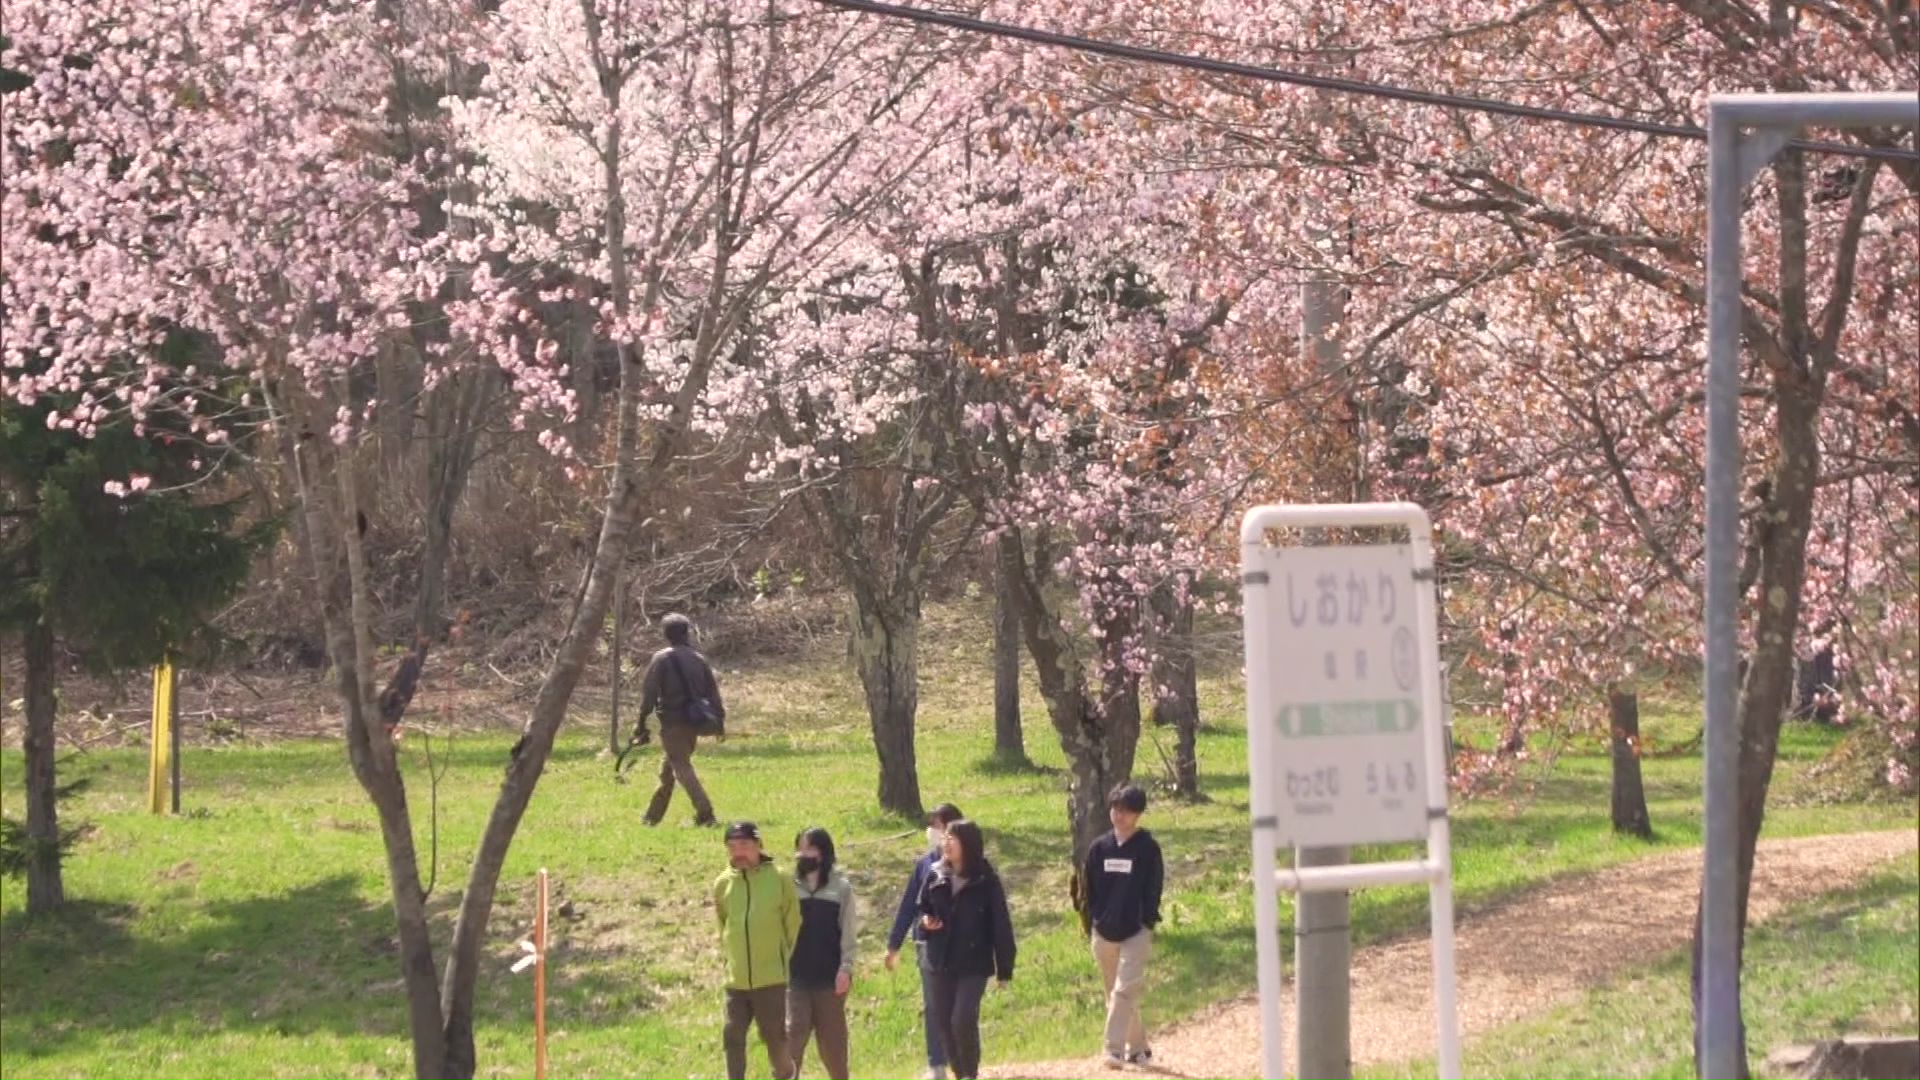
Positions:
(963, 909)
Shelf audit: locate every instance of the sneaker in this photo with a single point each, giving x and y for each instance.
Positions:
(1142, 1056)
(1114, 1061)
(938, 1072)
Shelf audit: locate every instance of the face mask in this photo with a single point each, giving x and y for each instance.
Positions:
(807, 864)
(935, 837)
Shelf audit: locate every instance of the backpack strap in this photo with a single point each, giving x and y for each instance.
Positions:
(673, 661)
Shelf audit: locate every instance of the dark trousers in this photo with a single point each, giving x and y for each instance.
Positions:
(936, 1044)
(766, 1009)
(956, 1005)
(677, 743)
(821, 1012)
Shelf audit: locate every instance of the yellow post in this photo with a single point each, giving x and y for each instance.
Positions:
(160, 753)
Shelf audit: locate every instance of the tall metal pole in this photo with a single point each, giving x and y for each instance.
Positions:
(1732, 160)
(1719, 892)
(1323, 972)
(1323, 933)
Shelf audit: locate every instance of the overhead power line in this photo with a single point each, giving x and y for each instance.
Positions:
(1215, 66)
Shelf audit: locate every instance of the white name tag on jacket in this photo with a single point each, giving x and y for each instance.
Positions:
(1119, 866)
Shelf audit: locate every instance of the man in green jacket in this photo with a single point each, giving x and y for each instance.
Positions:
(759, 914)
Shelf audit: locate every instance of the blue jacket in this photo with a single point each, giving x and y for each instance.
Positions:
(906, 921)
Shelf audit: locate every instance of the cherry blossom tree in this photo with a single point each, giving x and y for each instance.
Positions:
(233, 167)
(225, 168)
(1541, 287)
(1537, 290)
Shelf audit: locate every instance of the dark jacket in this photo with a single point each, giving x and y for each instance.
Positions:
(906, 919)
(665, 688)
(1123, 885)
(976, 935)
(828, 927)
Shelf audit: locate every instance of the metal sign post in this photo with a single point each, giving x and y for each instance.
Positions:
(1344, 727)
(1744, 132)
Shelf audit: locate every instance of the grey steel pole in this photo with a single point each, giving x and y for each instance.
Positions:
(1323, 934)
(1719, 915)
(1323, 973)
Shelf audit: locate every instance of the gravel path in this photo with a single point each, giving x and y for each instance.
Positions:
(1521, 956)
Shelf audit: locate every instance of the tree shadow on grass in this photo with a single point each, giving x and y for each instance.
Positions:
(1187, 962)
(1005, 765)
(316, 959)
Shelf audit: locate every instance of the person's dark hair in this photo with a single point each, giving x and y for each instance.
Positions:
(818, 837)
(678, 628)
(944, 815)
(1128, 797)
(973, 848)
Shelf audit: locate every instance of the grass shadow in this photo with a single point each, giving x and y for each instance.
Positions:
(318, 958)
(999, 765)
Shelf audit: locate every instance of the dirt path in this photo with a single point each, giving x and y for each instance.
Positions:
(1514, 959)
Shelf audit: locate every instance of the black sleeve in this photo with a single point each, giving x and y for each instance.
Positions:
(1150, 885)
(1003, 946)
(650, 689)
(713, 688)
(924, 902)
(1090, 876)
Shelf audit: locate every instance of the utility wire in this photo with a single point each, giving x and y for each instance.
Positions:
(1162, 57)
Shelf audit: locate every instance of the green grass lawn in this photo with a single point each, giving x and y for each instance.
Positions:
(1839, 965)
(251, 936)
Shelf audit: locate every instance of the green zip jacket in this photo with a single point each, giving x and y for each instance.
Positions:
(759, 916)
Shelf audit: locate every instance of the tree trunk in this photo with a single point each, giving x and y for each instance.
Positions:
(1629, 794)
(455, 417)
(1120, 713)
(635, 467)
(1098, 736)
(1767, 692)
(886, 653)
(1176, 687)
(417, 968)
(1009, 741)
(327, 528)
(44, 889)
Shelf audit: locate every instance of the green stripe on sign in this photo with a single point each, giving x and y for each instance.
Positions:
(1349, 718)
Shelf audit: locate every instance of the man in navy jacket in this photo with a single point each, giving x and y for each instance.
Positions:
(1123, 875)
(906, 921)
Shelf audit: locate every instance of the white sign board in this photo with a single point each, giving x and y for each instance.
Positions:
(1344, 693)
(1344, 728)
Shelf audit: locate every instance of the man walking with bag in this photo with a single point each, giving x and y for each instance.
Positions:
(680, 684)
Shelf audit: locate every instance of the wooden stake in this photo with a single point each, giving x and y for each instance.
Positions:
(540, 982)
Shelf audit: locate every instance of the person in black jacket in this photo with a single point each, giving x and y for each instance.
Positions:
(1123, 876)
(969, 935)
(906, 924)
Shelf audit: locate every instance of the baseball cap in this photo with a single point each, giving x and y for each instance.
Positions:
(743, 830)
